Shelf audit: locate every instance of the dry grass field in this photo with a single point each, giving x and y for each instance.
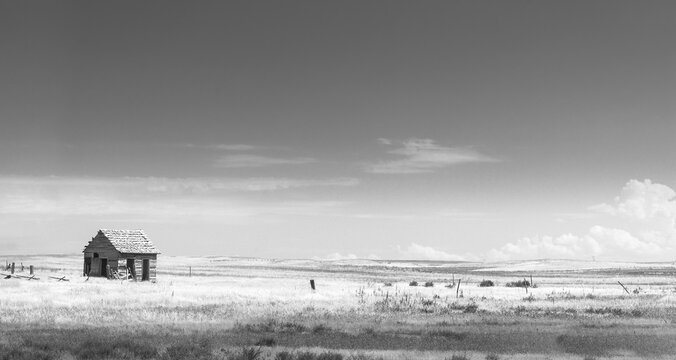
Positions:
(242, 308)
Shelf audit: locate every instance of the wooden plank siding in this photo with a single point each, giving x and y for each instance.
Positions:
(153, 269)
(138, 264)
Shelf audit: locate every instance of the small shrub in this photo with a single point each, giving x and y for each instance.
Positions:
(459, 357)
(387, 284)
(413, 283)
(429, 284)
(266, 341)
(486, 283)
(520, 283)
(492, 357)
(529, 298)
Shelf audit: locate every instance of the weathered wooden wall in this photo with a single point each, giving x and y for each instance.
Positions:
(138, 264)
(105, 250)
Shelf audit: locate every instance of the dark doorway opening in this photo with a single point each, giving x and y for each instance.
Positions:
(104, 267)
(146, 270)
(131, 268)
(87, 266)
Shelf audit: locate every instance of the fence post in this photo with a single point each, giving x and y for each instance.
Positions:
(31, 269)
(312, 284)
(457, 291)
(625, 289)
(12, 268)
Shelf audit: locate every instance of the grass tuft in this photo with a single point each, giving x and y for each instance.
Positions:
(284, 355)
(459, 357)
(250, 353)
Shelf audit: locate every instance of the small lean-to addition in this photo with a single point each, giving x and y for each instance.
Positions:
(127, 254)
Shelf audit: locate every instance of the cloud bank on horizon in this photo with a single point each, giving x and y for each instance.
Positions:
(641, 223)
(644, 215)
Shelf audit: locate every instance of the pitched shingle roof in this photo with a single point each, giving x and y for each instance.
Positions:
(130, 241)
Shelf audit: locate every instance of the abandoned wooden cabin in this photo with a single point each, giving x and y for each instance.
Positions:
(112, 252)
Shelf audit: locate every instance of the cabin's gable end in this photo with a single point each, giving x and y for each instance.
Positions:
(100, 256)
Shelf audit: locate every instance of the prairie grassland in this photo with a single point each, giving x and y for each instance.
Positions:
(360, 308)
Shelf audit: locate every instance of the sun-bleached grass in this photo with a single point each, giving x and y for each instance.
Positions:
(272, 302)
(231, 290)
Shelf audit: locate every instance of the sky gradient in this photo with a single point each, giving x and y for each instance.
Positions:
(406, 130)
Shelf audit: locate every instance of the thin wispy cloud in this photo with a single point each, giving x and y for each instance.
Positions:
(258, 161)
(173, 186)
(416, 156)
(225, 147)
(157, 198)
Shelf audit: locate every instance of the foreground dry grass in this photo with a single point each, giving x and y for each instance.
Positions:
(575, 312)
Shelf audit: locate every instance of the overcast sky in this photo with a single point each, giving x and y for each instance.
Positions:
(400, 130)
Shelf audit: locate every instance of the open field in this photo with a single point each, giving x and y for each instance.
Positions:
(361, 309)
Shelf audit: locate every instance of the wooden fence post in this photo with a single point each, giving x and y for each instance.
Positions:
(12, 268)
(31, 269)
(312, 284)
(625, 289)
(457, 291)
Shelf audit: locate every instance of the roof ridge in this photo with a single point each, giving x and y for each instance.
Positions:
(130, 240)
